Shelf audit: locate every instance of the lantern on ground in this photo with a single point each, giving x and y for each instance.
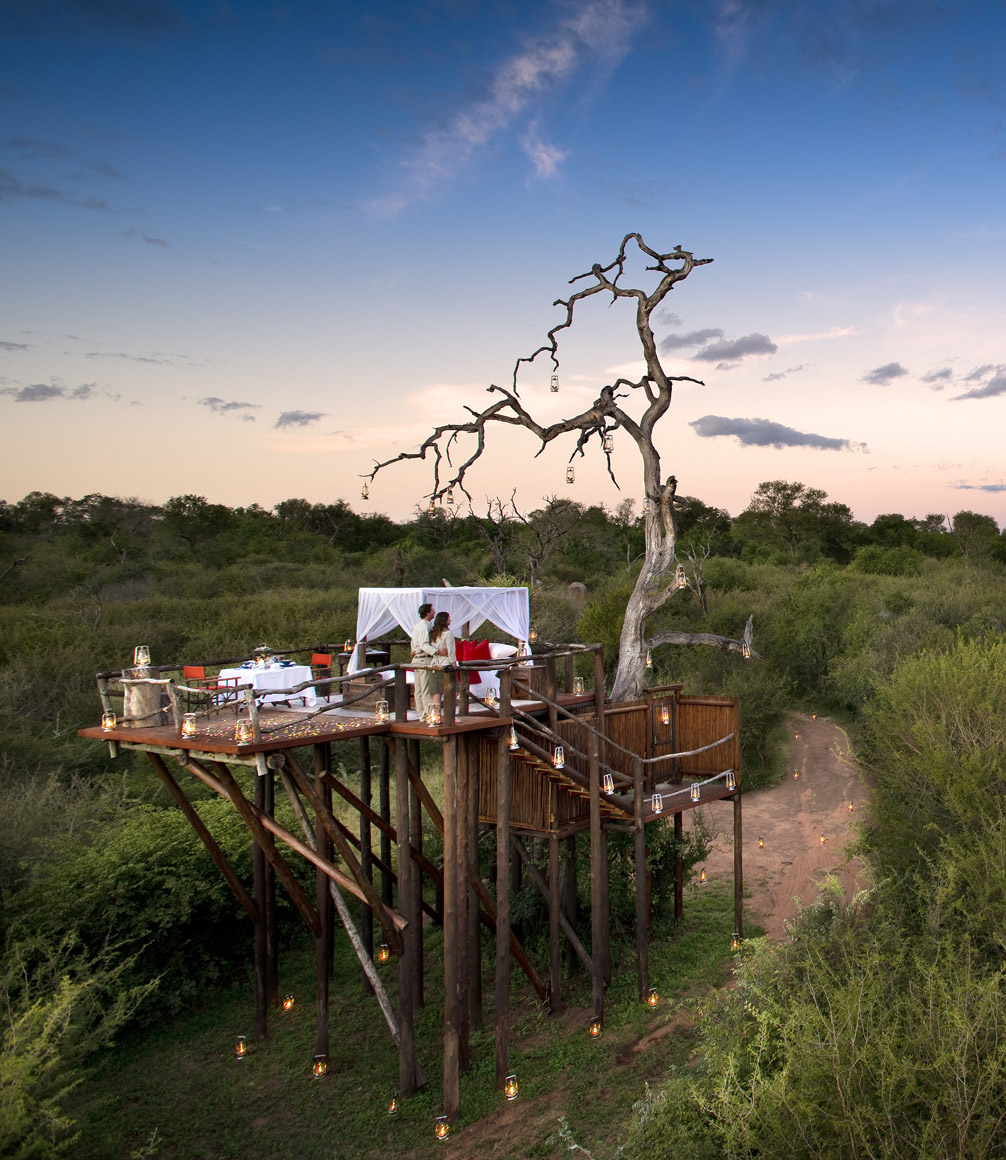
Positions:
(383, 953)
(510, 1087)
(288, 1002)
(382, 712)
(735, 941)
(695, 791)
(745, 650)
(702, 877)
(608, 783)
(141, 656)
(822, 839)
(188, 724)
(559, 757)
(578, 686)
(320, 1066)
(851, 807)
(761, 843)
(796, 774)
(595, 1028)
(442, 1129)
(652, 998)
(731, 779)
(657, 804)
(393, 1105)
(108, 721)
(240, 1047)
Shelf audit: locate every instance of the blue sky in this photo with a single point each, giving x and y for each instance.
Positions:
(250, 248)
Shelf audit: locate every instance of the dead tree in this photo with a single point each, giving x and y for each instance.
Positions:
(650, 395)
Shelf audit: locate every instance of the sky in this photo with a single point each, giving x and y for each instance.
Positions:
(251, 248)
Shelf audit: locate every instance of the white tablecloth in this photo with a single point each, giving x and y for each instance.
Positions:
(273, 682)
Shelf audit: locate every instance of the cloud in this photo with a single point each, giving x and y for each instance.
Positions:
(773, 378)
(692, 338)
(736, 348)
(973, 376)
(597, 35)
(129, 357)
(14, 346)
(150, 239)
(936, 379)
(545, 158)
(298, 419)
(766, 433)
(225, 407)
(995, 386)
(988, 487)
(881, 376)
(43, 392)
(13, 187)
(36, 148)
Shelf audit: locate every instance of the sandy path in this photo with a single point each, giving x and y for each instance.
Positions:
(791, 817)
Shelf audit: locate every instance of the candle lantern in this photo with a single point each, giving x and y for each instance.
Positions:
(570, 474)
(240, 1047)
(434, 715)
(510, 1087)
(702, 877)
(108, 721)
(609, 442)
(141, 656)
(680, 579)
(595, 1028)
(432, 507)
(652, 997)
(382, 712)
(657, 803)
(288, 1003)
(450, 495)
(578, 687)
(695, 791)
(822, 839)
(490, 700)
(761, 843)
(665, 715)
(320, 1066)
(393, 1105)
(608, 783)
(442, 1129)
(365, 491)
(347, 646)
(745, 650)
(244, 731)
(796, 774)
(649, 660)
(851, 807)
(558, 758)
(383, 953)
(532, 634)
(513, 738)
(188, 724)
(731, 779)
(735, 941)
(553, 384)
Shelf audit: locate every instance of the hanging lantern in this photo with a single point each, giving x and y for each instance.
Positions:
(188, 724)
(553, 384)
(702, 877)
(442, 1129)
(393, 1105)
(570, 474)
(513, 738)
(735, 941)
(665, 715)
(450, 495)
(649, 660)
(578, 686)
(608, 783)
(320, 1066)
(558, 758)
(680, 579)
(695, 791)
(652, 997)
(365, 491)
(432, 507)
(510, 1087)
(244, 731)
(108, 721)
(383, 953)
(288, 1003)
(595, 1028)
(745, 650)
(240, 1047)
(657, 804)
(731, 779)
(141, 656)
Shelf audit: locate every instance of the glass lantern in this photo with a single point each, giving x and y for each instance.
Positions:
(695, 791)
(141, 656)
(382, 712)
(657, 804)
(108, 721)
(188, 724)
(559, 757)
(608, 783)
(510, 1087)
(244, 731)
(578, 686)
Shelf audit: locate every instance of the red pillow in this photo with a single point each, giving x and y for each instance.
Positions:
(478, 650)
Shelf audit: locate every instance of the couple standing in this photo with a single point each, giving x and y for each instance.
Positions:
(433, 648)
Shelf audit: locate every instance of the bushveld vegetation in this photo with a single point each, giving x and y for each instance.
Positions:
(876, 1030)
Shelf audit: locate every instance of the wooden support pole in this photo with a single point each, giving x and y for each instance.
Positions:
(679, 866)
(642, 916)
(599, 693)
(323, 903)
(474, 926)
(416, 847)
(567, 677)
(384, 806)
(738, 867)
(551, 692)
(502, 980)
(543, 888)
(366, 852)
(461, 918)
(261, 941)
(407, 961)
(597, 933)
(554, 912)
(453, 886)
(271, 933)
(568, 879)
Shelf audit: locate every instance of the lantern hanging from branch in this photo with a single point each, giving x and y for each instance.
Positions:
(450, 495)
(649, 660)
(609, 442)
(570, 474)
(680, 579)
(365, 491)
(532, 634)
(553, 384)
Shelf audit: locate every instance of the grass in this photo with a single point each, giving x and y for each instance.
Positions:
(179, 1093)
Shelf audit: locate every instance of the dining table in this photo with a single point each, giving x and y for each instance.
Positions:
(272, 683)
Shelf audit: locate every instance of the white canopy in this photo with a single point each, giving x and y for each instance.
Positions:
(380, 609)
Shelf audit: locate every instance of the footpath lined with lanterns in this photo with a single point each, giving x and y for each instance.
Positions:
(528, 757)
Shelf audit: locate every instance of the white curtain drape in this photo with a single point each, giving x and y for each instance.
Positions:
(380, 609)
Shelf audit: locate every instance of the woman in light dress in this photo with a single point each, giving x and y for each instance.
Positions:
(443, 639)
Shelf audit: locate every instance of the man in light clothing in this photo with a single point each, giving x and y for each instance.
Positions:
(422, 652)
